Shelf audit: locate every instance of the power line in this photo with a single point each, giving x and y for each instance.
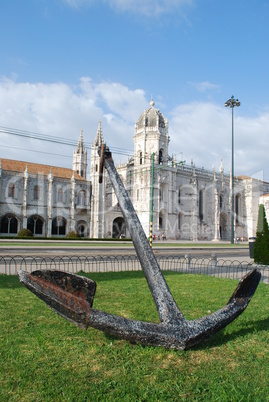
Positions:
(63, 141)
(58, 140)
(33, 150)
(36, 136)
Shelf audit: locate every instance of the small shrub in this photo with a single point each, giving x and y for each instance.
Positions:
(25, 233)
(261, 246)
(73, 235)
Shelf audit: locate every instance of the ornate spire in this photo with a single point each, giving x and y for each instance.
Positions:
(80, 146)
(214, 172)
(99, 140)
(221, 167)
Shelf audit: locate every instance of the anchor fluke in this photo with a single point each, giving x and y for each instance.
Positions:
(69, 295)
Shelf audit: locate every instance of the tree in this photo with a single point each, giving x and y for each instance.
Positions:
(261, 246)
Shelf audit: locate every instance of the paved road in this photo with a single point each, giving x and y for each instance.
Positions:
(233, 253)
(225, 256)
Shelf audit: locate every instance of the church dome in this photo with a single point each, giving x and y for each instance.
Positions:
(151, 118)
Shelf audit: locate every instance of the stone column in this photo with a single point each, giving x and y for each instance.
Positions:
(24, 202)
(195, 208)
(216, 210)
(50, 199)
(72, 211)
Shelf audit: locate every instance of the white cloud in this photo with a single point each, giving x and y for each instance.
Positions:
(60, 110)
(78, 3)
(148, 8)
(121, 100)
(204, 86)
(202, 131)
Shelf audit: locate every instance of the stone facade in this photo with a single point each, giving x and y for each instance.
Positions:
(48, 200)
(182, 201)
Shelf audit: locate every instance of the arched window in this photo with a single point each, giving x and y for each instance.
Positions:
(60, 195)
(38, 226)
(9, 224)
(201, 205)
(13, 225)
(81, 198)
(31, 224)
(58, 226)
(220, 202)
(118, 228)
(11, 190)
(141, 158)
(160, 157)
(82, 229)
(179, 221)
(36, 193)
(5, 225)
(237, 208)
(35, 224)
(178, 196)
(146, 121)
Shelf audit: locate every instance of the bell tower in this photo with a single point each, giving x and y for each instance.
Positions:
(151, 136)
(98, 190)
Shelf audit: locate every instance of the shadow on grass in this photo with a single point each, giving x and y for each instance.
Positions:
(218, 339)
(221, 338)
(108, 276)
(9, 282)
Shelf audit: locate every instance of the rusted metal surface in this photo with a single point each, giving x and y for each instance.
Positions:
(69, 295)
(72, 296)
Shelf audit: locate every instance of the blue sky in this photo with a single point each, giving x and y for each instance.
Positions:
(66, 64)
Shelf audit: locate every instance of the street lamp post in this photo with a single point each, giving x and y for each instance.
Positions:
(151, 199)
(232, 103)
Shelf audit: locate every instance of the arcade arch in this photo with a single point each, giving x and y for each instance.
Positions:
(118, 228)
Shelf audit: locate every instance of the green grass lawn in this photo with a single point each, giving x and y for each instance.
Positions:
(45, 358)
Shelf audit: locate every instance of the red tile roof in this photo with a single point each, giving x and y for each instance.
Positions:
(36, 168)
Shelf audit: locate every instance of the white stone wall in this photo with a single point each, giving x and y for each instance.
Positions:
(47, 206)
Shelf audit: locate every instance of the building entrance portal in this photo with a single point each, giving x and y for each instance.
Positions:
(82, 229)
(119, 228)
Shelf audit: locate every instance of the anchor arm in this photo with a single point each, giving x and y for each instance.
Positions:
(71, 296)
(204, 327)
(180, 335)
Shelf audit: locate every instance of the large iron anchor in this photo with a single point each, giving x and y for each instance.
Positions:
(71, 296)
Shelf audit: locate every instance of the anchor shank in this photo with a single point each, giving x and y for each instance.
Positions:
(163, 299)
